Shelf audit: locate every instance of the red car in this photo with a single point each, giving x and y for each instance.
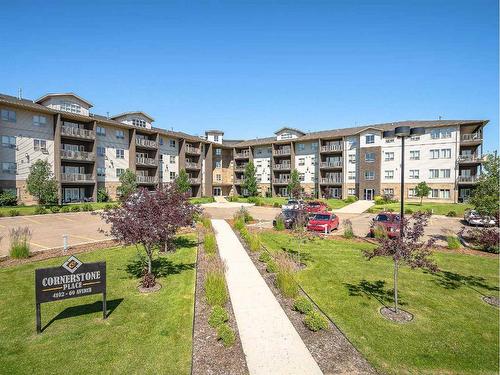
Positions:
(315, 206)
(323, 220)
(389, 221)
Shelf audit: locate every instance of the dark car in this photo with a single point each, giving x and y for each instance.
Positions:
(389, 221)
(290, 217)
(323, 221)
(316, 206)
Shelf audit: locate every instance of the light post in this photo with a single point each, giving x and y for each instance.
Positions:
(403, 132)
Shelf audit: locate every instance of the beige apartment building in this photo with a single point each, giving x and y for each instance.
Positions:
(89, 152)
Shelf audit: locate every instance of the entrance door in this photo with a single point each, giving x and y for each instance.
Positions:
(217, 191)
(369, 194)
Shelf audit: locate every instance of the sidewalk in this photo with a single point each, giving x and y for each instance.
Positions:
(270, 342)
(357, 207)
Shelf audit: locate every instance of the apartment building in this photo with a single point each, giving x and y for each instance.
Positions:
(88, 152)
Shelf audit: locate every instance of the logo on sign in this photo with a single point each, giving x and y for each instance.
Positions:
(72, 264)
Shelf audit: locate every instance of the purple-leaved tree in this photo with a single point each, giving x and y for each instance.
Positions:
(151, 219)
(407, 248)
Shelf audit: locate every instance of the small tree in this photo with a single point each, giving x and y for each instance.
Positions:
(151, 219)
(41, 183)
(422, 190)
(294, 188)
(249, 180)
(102, 195)
(406, 249)
(128, 184)
(182, 181)
(485, 197)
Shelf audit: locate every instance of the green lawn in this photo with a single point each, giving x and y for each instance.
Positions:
(270, 201)
(143, 334)
(438, 208)
(30, 210)
(201, 200)
(453, 330)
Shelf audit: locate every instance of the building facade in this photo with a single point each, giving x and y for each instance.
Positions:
(89, 152)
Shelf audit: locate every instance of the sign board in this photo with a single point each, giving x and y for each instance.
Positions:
(72, 279)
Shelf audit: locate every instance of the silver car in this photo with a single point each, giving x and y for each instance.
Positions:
(472, 217)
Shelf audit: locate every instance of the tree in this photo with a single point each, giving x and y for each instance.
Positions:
(102, 195)
(249, 180)
(422, 190)
(294, 188)
(151, 219)
(41, 182)
(128, 184)
(182, 181)
(407, 248)
(485, 197)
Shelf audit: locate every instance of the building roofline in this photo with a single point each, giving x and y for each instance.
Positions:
(42, 98)
(132, 113)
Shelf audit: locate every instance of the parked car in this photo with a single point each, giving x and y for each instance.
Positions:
(289, 217)
(323, 220)
(293, 204)
(472, 217)
(316, 206)
(388, 221)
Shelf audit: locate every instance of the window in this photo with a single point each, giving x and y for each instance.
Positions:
(39, 120)
(313, 160)
(352, 159)
(286, 136)
(139, 122)
(101, 130)
(433, 173)
(218, 164)
(389, 174)
(412, 193)
(414, 173)
(301, 147)
(120, 134)
(302, 161)
(434, 193)
(369, 175)
(389, 156)
(218, 177)
(40, 145)
(415, 138)
(440, 133)
(302, 177)
(8, 141)
(258, 177)
(120, 153)
(441, 193)
(218, 151)
(389, 191)
(314, 146)
(370, 156)
(351, 175)
(444, 173)
(369, 139)
(8, 115)
(161, 141)
(119, 172)
(446, 153)
(172, 176)
(172, 159)
(171, 142)
(351, 191)
(70, 107)
(101, 171)
(434, 154)
(9, 168)
(101, 151)
(216, 138)
(389, 140)
(415, 155)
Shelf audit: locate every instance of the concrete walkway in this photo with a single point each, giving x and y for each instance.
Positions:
(357, 207)
(270, 342)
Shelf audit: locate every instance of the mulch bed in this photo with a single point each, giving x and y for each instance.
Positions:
(330, 348)
(209, 355)
(398, 317)
(493, 301)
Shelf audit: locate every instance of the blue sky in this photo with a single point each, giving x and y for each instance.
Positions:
(249, 68)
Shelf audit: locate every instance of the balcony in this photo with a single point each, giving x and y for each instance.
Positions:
(282, 151)
(238, 181)
(331, 180)
(467, 179)
(281, 181)
(193, 150)
(145, 143)
(146, 179)
(148, 162)
(240, 168)
(82, 156)
(472, 138)
(195, 181)
(282, 166)
(471, 159)
(242, 155)
(331, 164)
(191, 165)
(77, 177)
(69, 131)
(332, 148)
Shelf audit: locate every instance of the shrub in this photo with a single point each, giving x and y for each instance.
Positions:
(271, 266)
(218, 316)
(285, 276)
(379, 232)
(245, 234)
(277, 204)
(40, 211)
(351, 199)
(232, 198)
(243, 214)
(429, 211)
(226, 334)
(390, 210)
(55, 209)
(265, 257)
(303, 305)
(209, 244)
(239, 224)
(65, 209)
(253, 242)
(108, 207)
(102, 195)
(315, 321)
(451, 214)
(14, 212)
(379, 200)
(280, 224)
(7, 198)
(19, 242)
(408, 211)
(87, 207)
(486, 238)
(215, 284)
(2, 214)
(348, 232)
(75, 209)
(453, 242)
(206, 222)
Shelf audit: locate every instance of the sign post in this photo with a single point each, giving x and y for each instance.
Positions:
(72, 279)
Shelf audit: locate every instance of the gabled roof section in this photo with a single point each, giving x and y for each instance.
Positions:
(288, 128)
(51, 95)
(214, 131)
(133, 113)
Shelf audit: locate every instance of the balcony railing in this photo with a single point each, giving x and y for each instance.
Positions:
(331, 147)
(467, 179)
(331, 164)
(238, 181)
(192, 165)
(331, 180)
(282, 166)
(70, 131)
(194, 180)
(281, 180)
(282, 151)
(146, 161)
(471, 158)
(77, 155)
(242, 155)
(77, 177)
(141, 142)
(472, 137)
(193, 150)
(240, 167)
(146, 179)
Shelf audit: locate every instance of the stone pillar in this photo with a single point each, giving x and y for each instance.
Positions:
(57, 155)
(131, 150)
(209, 169)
